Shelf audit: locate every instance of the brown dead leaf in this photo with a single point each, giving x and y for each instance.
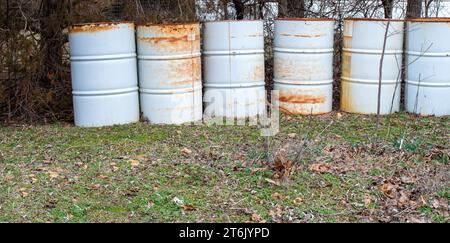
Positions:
(283, 167)
(53, 175)
(298, 201)
(367, 201)
(320, 168)
(277, 196)
(339, 115)
(186, 151)
(389, 190)
(257, 218)
(96, 187)
(188, 207)
(134, 163)
(277, 183)
(23, 192)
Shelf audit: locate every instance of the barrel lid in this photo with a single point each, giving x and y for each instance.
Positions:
(430, 20)
(232, 21)
(374, 19)
(166, 23)
(304, 19)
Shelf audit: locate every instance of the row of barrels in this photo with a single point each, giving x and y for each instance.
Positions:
(120, 70)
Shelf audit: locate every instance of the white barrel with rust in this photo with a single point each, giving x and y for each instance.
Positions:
(428, 67)
(303, 65)
(363, 48)
(104, 74)
(234, 69)
(170, 73)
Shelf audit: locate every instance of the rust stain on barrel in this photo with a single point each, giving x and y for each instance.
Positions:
(174, 38)
(184, 72)
(302, 99)
(258, 73)
(96, 27)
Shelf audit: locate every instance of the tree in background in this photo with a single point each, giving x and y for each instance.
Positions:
(414, 9)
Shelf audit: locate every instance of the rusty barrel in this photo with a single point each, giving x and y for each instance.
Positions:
(234, 69)
(104, 74)
(362, 53)
(303, 65)
(428, 67)
(170, 81)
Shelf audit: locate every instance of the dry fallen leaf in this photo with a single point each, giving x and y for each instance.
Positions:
(53, 175)
(320, 168)
(367, 201)
(96, 187)
(257, 218)
(134, 163)
(339, 115)
(24, 192)
(389, 190)
(277, 196)
(277, 183)
(298, 201)
(283, 167)
(186, 151)
(188, 207)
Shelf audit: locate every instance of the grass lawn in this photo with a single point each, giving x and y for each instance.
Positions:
(341, 172)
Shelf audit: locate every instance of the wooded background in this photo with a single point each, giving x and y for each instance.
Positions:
(35, 84)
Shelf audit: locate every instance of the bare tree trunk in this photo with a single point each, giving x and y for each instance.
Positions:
(427, 7)
(283, 8)
(296, 8)
(388, 7)
(52, 38)
(291, 8)
(240, 9)
(381, 76)
(414, 9)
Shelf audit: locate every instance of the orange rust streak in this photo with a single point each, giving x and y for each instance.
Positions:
(157, 40)
(302, 99)
(92, 28)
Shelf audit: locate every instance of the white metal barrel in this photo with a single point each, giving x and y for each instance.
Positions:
(170, 73)
(428, 67)
(303, 65)
(104, 74)
(363, 48)
(234, 69)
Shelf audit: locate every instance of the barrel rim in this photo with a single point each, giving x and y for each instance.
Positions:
(305, 19)
(374, 19)
(73, 27)
(233, 21)
(102, 23)
(150, 24)
(430, 20)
